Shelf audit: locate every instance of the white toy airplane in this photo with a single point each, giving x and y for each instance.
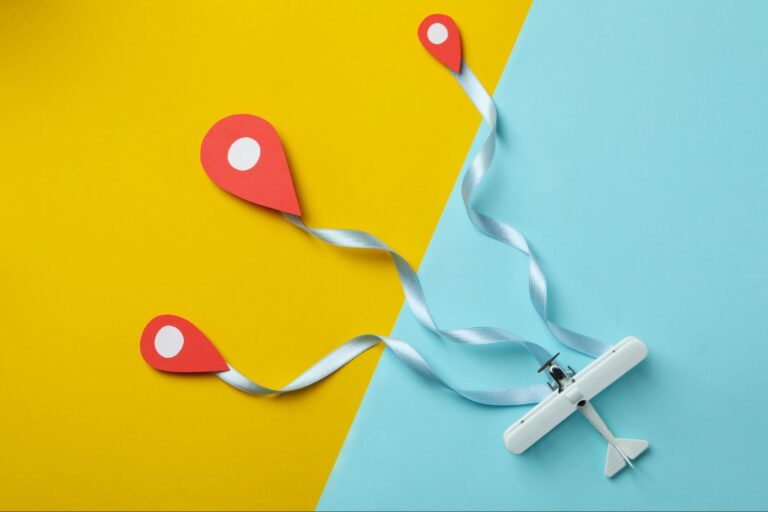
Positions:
(573, 391)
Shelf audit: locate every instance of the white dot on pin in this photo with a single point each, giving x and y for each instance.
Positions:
(168, 341)
(437, 33)
(244, 154)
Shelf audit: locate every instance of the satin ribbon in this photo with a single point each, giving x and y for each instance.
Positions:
(478, 169)
(414, 293)
(407, 354)
(417, 302)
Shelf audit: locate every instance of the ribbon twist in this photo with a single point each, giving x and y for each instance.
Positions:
(519, 395)
(414, 293)
(416, 299)
(478, 169)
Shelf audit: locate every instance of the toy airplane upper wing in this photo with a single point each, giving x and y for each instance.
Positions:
(606, 369)
(574, 392)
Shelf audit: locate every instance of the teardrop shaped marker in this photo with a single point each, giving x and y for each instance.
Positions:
(173, 344)
(439, 34)
(243, 155)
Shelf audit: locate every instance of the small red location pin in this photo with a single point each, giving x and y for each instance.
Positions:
(173, 344)
(439, 34)
(243, 155)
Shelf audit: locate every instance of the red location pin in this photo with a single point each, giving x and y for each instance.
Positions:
(173, 344)
(243, 155)
(439, 34)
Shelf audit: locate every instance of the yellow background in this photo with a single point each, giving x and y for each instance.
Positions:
(108, 219)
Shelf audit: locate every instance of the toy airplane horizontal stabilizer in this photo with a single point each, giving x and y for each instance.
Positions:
(572, 391)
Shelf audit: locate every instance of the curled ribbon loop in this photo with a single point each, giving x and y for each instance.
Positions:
(332, 362)
(478, 168)
(414, 294)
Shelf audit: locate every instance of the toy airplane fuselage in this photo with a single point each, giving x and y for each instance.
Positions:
(572, 391)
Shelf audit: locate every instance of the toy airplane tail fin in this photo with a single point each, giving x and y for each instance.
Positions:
(622, 453)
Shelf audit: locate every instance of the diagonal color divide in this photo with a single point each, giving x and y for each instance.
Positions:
(635, 143)
(108, 219)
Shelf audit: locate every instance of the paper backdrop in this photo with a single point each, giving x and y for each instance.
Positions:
(108, 219)
(634, 155)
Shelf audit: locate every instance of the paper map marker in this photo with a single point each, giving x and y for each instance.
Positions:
(173, 344)
(243, 155)
(439, 34)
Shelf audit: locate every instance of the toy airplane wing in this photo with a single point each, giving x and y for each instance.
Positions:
(583, 386)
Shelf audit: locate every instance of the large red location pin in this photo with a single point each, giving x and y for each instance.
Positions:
(243, 155)
(173, 344)
(439, 34)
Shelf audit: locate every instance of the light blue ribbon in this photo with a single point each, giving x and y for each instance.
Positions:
(416, 299)
(417, 302)
(407, 354)
(537, 282)
(414, 293)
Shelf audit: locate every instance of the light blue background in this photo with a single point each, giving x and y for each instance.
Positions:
(634, 155)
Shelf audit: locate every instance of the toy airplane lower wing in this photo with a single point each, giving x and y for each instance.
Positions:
(572, 391)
